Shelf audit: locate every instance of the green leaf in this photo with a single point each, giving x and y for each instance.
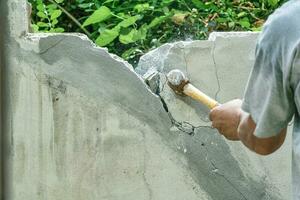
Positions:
(59, 30)
(143, 31)
(241, 14)
(166, 2)
(198, 4)
(51, 7)
(245, 23)
(108, 1)
(35, 28)
(142, 7)
(273, 2)
(221, 20)
(130, 53)
(256, 29)
(134, 35)
(131, 37)
(41, 7)
(107, 36)
(85, 5)
(54, 22)
(129, 21)
(156, 21)
(179, 18)
(41, 15)
(55, 14)
(231, 24)
(42, 24)
(59, 1)
(102, 14)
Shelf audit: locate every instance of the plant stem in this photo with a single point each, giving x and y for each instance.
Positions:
(117, 16)
(72, 18)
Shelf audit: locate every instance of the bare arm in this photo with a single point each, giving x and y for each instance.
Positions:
(235, 124)
(262, 146)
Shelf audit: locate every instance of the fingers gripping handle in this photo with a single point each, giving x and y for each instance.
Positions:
(196, 94)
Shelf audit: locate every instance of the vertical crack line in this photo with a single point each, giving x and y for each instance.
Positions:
(146, 155)
(231, 184)
(185, 61)
(189, 77)
(216, 70)
(215, 170)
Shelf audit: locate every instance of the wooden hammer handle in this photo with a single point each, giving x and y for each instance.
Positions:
(196, 94)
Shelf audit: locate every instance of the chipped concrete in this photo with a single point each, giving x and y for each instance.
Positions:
(80, 123)
(207, 65)
(220, 68)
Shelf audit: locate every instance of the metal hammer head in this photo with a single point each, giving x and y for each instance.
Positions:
(177, 80)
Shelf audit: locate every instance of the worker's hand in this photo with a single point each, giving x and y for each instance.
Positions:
(226, 118)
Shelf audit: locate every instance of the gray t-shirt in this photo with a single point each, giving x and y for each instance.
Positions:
(272, 96)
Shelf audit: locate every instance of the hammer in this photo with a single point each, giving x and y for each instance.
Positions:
(181, 86)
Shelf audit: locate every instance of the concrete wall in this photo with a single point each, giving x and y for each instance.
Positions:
(220, 67)
(80, 123)
(2, 31)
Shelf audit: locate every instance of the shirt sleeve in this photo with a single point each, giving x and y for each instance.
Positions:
(269, 97)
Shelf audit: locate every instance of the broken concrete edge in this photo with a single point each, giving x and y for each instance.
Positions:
(36, 37)
(40, 49)
(215, 35)
(153, 67)
(139, 72)
(213, 38)
(41, 43)
(32, 42)
(148, 78)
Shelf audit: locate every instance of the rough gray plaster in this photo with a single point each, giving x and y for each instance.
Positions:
(81, 124)
(2, 63)
(220, 67)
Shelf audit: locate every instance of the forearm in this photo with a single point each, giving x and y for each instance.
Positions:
(235, 124)
(263, 146)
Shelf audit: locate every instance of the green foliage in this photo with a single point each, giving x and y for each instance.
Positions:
(47, 18)
(101, 14)
(133, 27)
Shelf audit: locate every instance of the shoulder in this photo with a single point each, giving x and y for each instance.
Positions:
(286, 15)
(282, 26)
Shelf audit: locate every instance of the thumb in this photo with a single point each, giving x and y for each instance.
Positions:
(213, 114)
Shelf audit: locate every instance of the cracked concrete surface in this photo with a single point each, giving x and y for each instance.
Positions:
(219, 67)
(80, 123)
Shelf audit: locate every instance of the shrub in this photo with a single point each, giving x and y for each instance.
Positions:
(133, 27)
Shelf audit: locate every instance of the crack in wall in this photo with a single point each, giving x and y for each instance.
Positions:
(189, 77)
(215, 170)
(52, 46)
(187, 127)
(233, 186)
(216, 70)
(146, 154)
(184, 126)
(190, 129)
